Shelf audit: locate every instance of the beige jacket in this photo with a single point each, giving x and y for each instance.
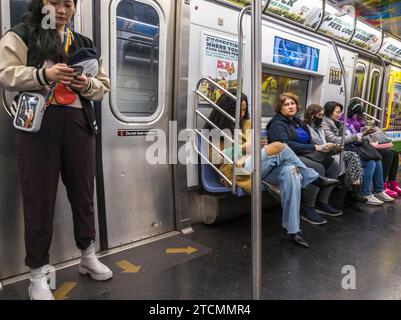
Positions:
(16, 76)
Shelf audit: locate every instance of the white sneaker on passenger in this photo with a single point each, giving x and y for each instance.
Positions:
(384, 197)
(373, 201)
(92, 266)
(38, 287)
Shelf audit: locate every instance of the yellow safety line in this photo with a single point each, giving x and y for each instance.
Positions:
(62, 292)
(128, 267)
(188, 250)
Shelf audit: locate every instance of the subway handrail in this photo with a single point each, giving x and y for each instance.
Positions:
(340, 61)
(239, 89)
(364, 105)
(197, 113)
(365, 102)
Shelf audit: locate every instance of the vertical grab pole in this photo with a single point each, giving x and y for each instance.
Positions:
(239, 92)
(256, 33)
(340, 61)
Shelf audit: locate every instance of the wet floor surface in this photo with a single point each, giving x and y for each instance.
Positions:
(368, 242)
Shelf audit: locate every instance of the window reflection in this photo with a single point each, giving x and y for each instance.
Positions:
(137, 58)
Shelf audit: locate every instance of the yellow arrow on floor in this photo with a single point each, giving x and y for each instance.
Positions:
(128, 267)
(62, 292)
(188, 250)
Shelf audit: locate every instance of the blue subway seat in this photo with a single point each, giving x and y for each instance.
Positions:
(209, 177)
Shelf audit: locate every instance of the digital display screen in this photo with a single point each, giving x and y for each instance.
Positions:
(295, 54)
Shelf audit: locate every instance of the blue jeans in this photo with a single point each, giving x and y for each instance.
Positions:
(372, 173)
(287, 171)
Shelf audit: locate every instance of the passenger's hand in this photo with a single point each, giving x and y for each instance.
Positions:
(79, 83)
(318, 148)
(327, 147)
(368, 131)
(60, 72)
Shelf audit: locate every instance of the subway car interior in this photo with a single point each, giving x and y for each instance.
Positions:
(169, 223)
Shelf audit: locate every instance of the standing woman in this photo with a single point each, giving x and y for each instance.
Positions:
(34, 58)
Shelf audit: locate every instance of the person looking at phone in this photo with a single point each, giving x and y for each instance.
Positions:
(391, 158)
(351, 170)
(372, 169)
(35, 59)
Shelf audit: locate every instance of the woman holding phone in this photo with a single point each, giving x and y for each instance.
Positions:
(34, 58)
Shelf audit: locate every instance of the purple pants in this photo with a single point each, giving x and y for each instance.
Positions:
(65, 145)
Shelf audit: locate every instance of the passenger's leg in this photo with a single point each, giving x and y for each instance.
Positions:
(289, 180)
(368, 169)
(288, 157)
(38, 159)
(310, 192)
(378, 182)
(393, 183)
(392, 176)
(324, 193)
(387, 163)
(387, 156)
(309, 195)
(78, 174)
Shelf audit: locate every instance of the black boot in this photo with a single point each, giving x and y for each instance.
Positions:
(350, 202)
(356, 194)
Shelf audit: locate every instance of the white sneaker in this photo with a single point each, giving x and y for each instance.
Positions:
(38, 287)
(384, 197)
(373, 201)
(92, 266)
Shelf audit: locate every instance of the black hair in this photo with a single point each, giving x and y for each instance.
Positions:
(330, 106)
(46, 42)
(354, 107)
(229, 106)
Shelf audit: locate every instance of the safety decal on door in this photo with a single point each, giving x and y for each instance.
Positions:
(136, 133)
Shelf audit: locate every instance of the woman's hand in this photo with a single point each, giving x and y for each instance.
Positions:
(368, 131)
(79, 83)
(318, 147)
(60, 72)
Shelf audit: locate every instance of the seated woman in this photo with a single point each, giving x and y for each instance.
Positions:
(287, 128)
(351, 164)
(372, 170)
(279, 165)
(391, 158)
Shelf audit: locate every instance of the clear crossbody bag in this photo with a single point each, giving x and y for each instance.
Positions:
(31, 107)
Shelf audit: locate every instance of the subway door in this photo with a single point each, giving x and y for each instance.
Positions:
(137, 38)
(360, 82)
(373, 93)
(12, 247)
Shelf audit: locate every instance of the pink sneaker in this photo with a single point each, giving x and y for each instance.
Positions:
(391, 193)
(394, 187)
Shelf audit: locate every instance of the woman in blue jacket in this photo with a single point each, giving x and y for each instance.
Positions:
(287, 128)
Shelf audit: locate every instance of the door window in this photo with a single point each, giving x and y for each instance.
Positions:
(274, 84)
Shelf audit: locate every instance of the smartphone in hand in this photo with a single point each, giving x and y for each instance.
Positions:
(78, 70)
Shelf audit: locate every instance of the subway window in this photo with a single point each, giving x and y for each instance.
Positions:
(137, 55)
(17, 10)
(273, 85)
